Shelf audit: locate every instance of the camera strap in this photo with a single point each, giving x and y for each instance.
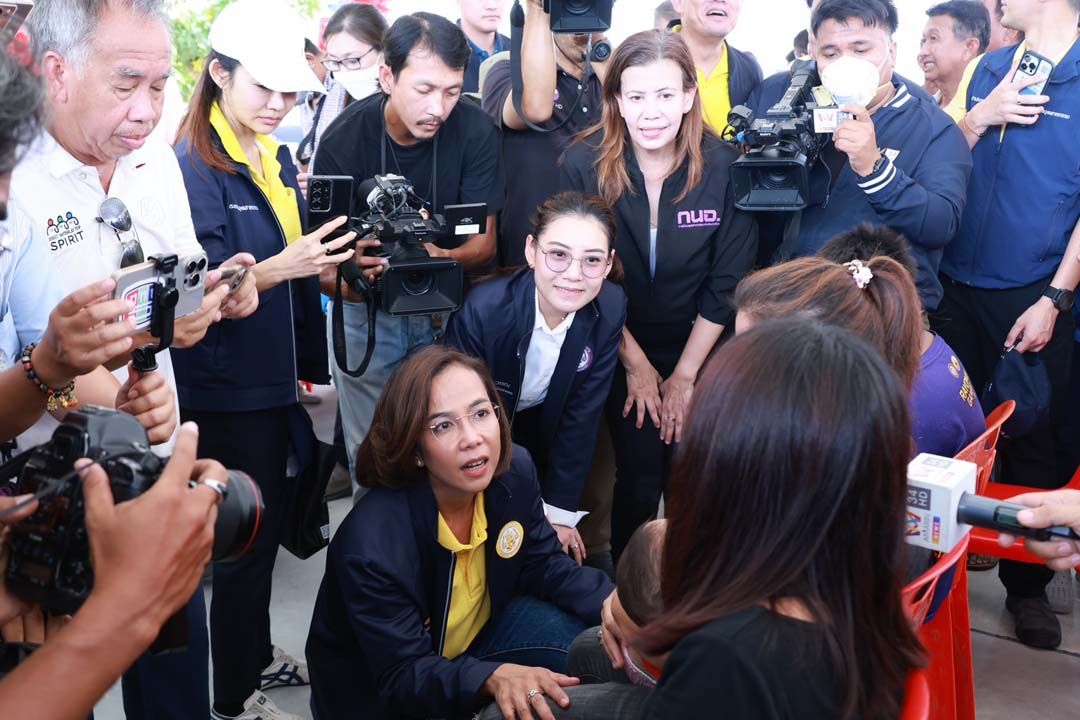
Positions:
(337, 330)
(517, 85)
(433, 188)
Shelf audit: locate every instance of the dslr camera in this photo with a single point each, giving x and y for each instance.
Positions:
(49, 561)
(782, 147)
(414, 283)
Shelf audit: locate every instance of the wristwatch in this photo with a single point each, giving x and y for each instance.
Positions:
(1062, 299)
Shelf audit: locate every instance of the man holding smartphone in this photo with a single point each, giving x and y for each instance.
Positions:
(104, 67)
(1009, 275)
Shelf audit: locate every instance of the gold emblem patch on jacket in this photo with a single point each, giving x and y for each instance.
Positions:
(510, 539)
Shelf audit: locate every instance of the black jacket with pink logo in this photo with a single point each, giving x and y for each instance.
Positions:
(704, 246)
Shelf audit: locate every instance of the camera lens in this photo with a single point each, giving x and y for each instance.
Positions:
(239, 517)
(191, 267)
(417, 282)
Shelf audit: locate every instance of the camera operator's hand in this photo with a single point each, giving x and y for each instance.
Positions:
(149, 553)
(83, 333)
(149, 399)
(1005, 104)
(11, 607)
(370, 265)
(1056, 507)
(244, 300)
(33, 626)
(148, 557)
(857, 139)
(302, 181)
(307, 256)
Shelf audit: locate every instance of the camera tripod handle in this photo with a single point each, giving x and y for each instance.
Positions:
(162, 316)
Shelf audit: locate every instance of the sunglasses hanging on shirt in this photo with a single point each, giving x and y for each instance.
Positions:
(114, 214)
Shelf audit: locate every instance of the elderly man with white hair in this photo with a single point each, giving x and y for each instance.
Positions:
(105, 63)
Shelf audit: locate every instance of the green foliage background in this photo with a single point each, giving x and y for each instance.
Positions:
(191, 32)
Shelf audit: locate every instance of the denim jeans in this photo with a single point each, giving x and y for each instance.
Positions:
(395, 338)
(528, 632)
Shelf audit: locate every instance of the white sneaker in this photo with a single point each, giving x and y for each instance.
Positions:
(1060, 592)
(283, 671)
(257, 707)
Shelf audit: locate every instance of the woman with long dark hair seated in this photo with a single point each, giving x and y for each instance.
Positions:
(445, 585)
(550, 333)
(784, 549)
(784, 553)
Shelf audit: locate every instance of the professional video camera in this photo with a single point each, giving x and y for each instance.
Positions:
(49, 561)
(413, 283)
(579, 16)
(774, 172)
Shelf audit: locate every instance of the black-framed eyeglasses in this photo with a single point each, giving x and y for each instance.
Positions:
(348, 63)
(114, 214)
(448, 430)
(559, 260)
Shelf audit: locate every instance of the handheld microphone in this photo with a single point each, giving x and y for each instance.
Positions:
(942, 506)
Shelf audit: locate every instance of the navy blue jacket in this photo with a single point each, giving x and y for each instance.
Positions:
(1024, 201)
(496, 324)
(375, 645)
(920, 191)
(744, 74)
(253, 363)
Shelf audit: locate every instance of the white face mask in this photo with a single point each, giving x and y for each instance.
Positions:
(359, 83)
(853, 81)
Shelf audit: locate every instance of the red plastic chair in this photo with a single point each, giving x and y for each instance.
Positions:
(983, 450)
(916, 697)
(946, 637)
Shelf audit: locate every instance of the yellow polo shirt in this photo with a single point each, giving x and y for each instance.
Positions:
(268, 177)
(470, 604)
(715, 92)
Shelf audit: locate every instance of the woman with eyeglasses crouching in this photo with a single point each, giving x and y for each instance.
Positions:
(550, 333)
(445, 586)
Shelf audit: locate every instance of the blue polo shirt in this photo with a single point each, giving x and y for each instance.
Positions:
(472, 70)
(1024, 198)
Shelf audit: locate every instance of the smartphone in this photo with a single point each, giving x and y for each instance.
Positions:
(329, 197)
(234, 276)
(1034, 65)
(12, 16)
(140, 284)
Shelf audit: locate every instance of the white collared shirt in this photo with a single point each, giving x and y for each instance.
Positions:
(541, 357)
(61, 196)
(27, 290)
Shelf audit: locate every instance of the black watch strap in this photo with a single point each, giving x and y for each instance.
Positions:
(1062, 299)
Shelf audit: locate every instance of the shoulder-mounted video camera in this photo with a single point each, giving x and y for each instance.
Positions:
(49, 560)
(773, 174)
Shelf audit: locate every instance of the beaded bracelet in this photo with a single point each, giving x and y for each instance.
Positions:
(56, 398)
